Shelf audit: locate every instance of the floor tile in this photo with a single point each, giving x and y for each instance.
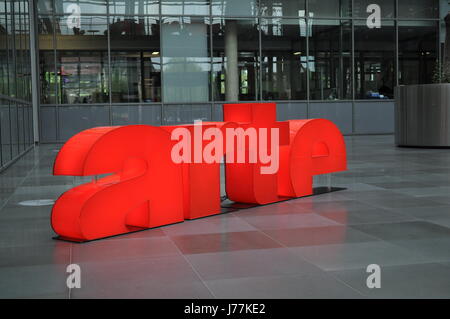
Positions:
(318, 236)
(339, 206)
(366, 216)
(163, 277)
(400, 185)
(284, 221)
(286, 207)
(124, 249)
(209, 225)
(26, 232)
(434, 249)
(251, 263)
(444, 200)
(358, 255)
(288, 287)
(26, 212)
(425, 213)
(412, 281)
(208, 243)
(33, 281)
(55, 252)
(404, 230)
(424, 191)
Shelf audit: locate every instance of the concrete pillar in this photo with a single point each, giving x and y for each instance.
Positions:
(231, 54)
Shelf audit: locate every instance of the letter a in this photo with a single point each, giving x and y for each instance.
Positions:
(74, 279)
(374, 19)
(374, 279)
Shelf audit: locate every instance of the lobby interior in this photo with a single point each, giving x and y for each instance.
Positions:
(163, 62)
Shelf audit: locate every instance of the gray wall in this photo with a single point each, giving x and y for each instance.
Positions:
(58, 123)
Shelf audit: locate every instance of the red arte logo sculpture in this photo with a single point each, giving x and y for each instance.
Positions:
(157, 176)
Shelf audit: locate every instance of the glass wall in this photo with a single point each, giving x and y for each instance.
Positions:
(16, 133)
(186, 58)
(135, 59)
(82, 60)
(284, 59)
(155, 55)
(235, 59)
(375, 63)
(330, 60)
(417, 51)
(205, 51)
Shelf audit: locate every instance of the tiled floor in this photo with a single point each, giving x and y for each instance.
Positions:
(394, 213)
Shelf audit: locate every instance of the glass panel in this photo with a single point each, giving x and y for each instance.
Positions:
(82, 61)
(48, 78)
(25, 126)
(30, 126)
(14, 129)
(20, 127)
(26, 53)
(330, 48)
(279, 8)
(418, 8)
(284, 59)
(444, 42)
(19, 50)
(84, 6)
(3, 52)
(330, 8)
(235, 8)
(235, 60)
(135, 59)
(417, 52)
(15, 26)
(15, 78)
(133, 7)
(47, 67)
(374, 61)
(387, 8)
(185, 7)
(186, 59)
(11, 49)
(5, 127)
(44, 6)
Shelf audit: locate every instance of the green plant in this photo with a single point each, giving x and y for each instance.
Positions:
(441, 73)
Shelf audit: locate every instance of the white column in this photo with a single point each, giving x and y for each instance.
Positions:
(231, 54)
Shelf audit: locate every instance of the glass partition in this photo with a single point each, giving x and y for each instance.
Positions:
(81, 6)
(135, 59)
(330, 8)
(361, 8)
(179, 51)
(235, 59)
(82, 60)
(134, 7)
(418, 52)
(375, 61)
(186, 59)
(330, 60)
(185, 7)
(279, 8)
(284, 59)
(418, 8)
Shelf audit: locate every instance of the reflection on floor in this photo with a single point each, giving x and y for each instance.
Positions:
(394, 213)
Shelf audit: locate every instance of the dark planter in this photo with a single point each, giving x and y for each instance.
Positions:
(422, 115)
